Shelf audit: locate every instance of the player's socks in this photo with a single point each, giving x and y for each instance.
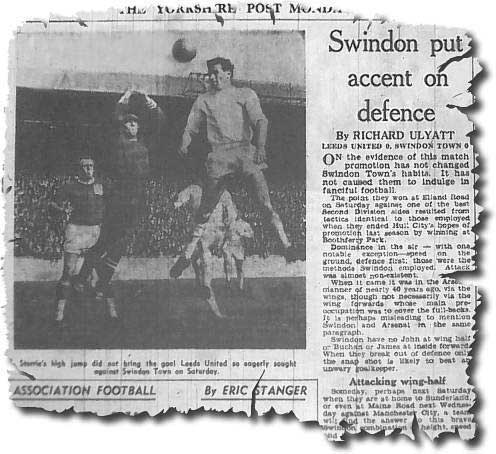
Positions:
(177, 269)
(185, 259)
(78, 284)
(112, 307)
(277, 223)
(105, 269)
(60, 310)
(63, 290)
(103, 288)
(210, 298)
(99, 296)
(104, 293)
(290, 254)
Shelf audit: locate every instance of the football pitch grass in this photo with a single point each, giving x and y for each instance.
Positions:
(165, 314)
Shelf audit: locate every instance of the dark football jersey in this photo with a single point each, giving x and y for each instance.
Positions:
(87, 202)
(131, 170)
(131, 160)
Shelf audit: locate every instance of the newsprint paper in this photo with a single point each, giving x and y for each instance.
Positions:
(243, 207)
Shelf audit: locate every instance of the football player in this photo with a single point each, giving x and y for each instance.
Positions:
(126, 201)
(86, 199)
(236, 131)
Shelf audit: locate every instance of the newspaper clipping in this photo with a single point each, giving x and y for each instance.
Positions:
(246, 207)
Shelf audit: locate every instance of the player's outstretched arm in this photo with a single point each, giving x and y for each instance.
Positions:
(193, 125)
(157, 116)
(152, 106)
(260, 136)
(124, 99)
(122, 106)
(150, 103)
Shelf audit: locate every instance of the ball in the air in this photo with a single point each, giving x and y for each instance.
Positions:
(183, 50)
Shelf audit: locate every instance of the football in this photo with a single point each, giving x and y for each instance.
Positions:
(183, 50)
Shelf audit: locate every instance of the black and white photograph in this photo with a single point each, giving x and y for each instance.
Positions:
(266, 210)
(160, 190)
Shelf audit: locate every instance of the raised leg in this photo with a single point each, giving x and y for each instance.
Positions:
(261, 191)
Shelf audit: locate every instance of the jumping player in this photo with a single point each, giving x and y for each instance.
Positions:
(217, 225)
(223, 224)
(234, 121)
(87, 202)
(130, 169)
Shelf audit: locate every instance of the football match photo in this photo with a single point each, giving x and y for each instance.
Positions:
(160, 190)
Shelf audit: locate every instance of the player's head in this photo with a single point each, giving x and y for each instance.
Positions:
(221, 71)
(86, 167)
(130, 125)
